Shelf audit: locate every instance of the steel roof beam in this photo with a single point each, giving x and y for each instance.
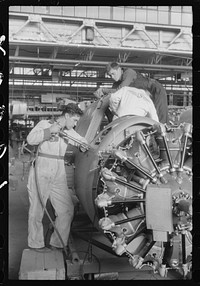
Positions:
(97, 21)
(101, 48)
(30, 60)
(97, 25)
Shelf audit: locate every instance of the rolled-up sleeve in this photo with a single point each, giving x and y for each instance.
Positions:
(114, 101)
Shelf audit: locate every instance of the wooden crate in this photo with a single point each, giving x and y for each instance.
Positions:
(46, 265)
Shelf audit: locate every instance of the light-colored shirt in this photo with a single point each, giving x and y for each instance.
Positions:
(132, 101)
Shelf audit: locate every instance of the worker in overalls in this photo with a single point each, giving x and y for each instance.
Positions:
(47, 177)
(129, 77)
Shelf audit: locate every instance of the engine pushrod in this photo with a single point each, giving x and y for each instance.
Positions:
(140, 138)
(109, 176)
(128, 201)
(187, 128)
(161, 129)
(129, 219)
(122, 157)
(130, 185)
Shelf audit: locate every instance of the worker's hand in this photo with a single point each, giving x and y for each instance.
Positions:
(85, 145)
(84, 141)
(55, 127)
(99, 92)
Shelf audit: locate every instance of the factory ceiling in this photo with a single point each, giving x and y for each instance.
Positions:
(48, 44)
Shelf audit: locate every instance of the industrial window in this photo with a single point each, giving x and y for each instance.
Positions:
(92, 12)
(141, 15)
(163, 8)
(41, 9)
(80, 11)
(55, 10)
(163, 17)
(104, 12)
(152, 7)
(68, 10)
(152, 16)
(187, 9)
(129, 14)
(186, 19)
(118, 13)
(27, 9)
(14, 8)
(28, 71)
(18, 70)
(141, 7)
(175, 18)
(176, 8)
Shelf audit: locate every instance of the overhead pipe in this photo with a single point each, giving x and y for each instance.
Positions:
(100, 63)
(63, 44)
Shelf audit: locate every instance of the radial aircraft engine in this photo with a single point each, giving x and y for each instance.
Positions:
(135, 184)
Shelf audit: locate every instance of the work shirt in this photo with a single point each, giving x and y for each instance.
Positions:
(132, 101)
(157, 92)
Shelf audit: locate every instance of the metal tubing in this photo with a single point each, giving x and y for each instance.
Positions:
(141, 140)
(102, 64)
(128, 201)
(129, 219)
(130, 185)
(123, 158)
(183, 154)
(168, 153)
(152, 159)
(161, 129)
(141, 170)
(187, 129)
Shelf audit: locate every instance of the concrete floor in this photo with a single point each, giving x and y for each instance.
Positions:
(18, 232)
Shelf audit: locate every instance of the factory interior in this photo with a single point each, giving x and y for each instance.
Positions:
(58, 55)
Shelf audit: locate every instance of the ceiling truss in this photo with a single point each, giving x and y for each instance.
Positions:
(46, 42)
